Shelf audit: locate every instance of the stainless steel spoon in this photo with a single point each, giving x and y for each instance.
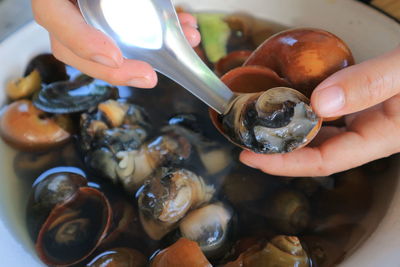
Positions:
(149, 30)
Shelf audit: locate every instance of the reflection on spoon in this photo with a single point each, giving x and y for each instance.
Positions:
(135, 22)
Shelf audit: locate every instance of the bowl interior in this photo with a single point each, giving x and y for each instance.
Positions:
(367, 32)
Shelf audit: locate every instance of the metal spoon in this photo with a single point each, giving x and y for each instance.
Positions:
(149, 30)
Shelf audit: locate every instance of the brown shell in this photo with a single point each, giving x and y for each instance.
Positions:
(281, 251)
(87, 201)
(125, 223)
(248, 79)
(27, 128)
(183, 253)
(303, 56)
(252, 79)
(232, 60)
(119, 257)
(288, 211)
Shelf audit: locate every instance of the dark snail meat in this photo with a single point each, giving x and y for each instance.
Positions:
(167, 197)
(278, 120)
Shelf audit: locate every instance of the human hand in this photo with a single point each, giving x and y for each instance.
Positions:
(78, 44)
(370, 93)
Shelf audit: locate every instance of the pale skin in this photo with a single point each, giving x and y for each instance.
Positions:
(370, 99)
(77, 44)
(368, 94)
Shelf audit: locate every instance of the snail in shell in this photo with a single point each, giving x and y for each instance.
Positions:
(288, 211)
(183, 253)
(166, 198)
(211, 226)
(271, 112)
(67, 220)
(27, 128)
(278, 120)
(281, 251)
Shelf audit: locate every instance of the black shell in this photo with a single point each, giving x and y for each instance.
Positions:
(50, 69)
(74, 96)
(66, 219)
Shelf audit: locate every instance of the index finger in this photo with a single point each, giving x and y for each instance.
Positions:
(64, 21)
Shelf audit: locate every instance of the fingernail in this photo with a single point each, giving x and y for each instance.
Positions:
(106, 61)
(140, 82)
(329, 101)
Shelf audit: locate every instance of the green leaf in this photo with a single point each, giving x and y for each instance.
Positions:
(215, 33)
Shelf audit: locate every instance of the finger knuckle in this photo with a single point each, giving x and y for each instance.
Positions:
(324, 170)
(377, 86)
(323, 166)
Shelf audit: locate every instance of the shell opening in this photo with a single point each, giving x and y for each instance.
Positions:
(291, 135)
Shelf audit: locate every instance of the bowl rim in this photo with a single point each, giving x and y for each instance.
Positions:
(28, 27)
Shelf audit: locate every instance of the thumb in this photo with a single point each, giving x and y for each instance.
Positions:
(358, 87)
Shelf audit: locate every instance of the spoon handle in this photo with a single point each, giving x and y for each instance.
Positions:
(149, 30)
(182, 64)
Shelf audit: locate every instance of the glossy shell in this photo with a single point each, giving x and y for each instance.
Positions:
(281, 251)
(183, 253)
(278, 120)
(167, 197)
(50, 69)
(119, 257)
(252, 79)
(288, 211)
(211, 226)
(74, 229)
(249, 79)
(74, 96)
(232, 60)
(24, 87)
(303, 56)
(67, 220)
(25, 127)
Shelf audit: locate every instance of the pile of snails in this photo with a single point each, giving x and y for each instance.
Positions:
(112, 187)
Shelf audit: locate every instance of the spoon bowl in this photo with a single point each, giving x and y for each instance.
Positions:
(243, 80)
(255, 79)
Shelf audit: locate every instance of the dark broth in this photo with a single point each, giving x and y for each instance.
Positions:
(339, 205)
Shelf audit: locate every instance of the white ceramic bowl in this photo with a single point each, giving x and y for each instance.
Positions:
(367, 32)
